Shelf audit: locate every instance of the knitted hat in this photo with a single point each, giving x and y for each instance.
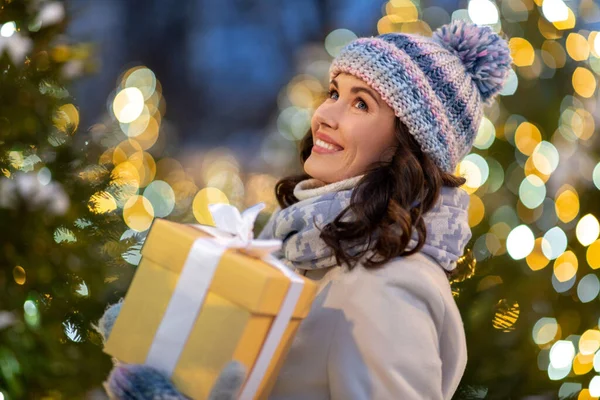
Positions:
(436, 85)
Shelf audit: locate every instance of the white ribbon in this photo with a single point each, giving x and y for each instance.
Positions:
(233, 230)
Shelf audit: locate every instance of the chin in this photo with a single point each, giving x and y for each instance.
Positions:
(314, 171)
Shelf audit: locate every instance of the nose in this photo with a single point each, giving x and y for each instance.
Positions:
(328, 115)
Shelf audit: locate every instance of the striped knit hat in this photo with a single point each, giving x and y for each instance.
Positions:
(437, 86)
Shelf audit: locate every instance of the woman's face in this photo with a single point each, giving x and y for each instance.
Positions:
(355, 117)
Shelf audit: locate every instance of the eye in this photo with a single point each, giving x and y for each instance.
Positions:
(360, 101)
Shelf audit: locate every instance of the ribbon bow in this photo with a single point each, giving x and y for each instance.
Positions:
(236, 230)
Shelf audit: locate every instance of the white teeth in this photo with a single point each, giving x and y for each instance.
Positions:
(326, 145)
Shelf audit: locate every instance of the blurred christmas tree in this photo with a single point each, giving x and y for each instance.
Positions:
(59, 240)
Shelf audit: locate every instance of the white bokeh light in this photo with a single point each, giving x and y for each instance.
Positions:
(128, 104)
(520, 242)
(483, 12)
(8, 29)
(587, 230)
(562, 354)
(595, 386)
(555, 10)
(554, 243)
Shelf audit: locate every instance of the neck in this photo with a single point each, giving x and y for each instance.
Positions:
(314, 187)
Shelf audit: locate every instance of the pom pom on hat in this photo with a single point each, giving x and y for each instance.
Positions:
(485, 55)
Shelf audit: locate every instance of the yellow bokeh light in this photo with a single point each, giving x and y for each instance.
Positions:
(66, 118)
(138, 213)
(582, 364)
(521, 51)
(476, 210)
(545, 331)
(19, 275)
(126, 174)
(567, 205)
(146, 167)
(419, 27)
(527, 137)
(149, 136)
(303, 91)
(557, 52)
(548, 30)
(400, 11)
(577, 47)
(565, 266)
(102, 202)
(536, 260)
(125, 150)
(386, 25)
(589, 342)
(584, 82)
(582, 123)
(593, 255)
(203, 198)
(585, 395)
(568, 23)
(530, 169)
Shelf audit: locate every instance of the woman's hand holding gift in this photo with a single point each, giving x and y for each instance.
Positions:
(142, 382)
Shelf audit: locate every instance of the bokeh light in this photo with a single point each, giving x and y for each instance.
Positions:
(592, 255)
(475, 170)
(588, 289)
(520, 242)
(584, 82)
(161, 196)
(337, 39)
(567, 204)
(485, 135)
(206, 196)
(554, 243)
(587, 229)
(532, 191)
(19, 275)
(138, 213)
(128, 104)
(565, 266)
(555, 10)
(483, 12)
(545, 157)
(561, 354)
(545, 330)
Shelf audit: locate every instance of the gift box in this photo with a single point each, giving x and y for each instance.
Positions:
(203, 296)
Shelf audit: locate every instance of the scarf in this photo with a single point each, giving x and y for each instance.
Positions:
(319, 203)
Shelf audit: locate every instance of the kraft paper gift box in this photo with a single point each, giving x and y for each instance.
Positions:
(203, 296)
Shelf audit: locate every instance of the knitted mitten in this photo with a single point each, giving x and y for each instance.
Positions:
(142, 382)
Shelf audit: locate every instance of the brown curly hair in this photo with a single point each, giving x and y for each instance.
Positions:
(381, 201)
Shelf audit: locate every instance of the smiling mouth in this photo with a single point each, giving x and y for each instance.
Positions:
(327, 146)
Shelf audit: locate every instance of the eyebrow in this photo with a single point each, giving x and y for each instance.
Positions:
(356, 89)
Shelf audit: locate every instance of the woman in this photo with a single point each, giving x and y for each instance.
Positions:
(378, 220)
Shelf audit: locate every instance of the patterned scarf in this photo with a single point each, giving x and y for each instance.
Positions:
(447, 225)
